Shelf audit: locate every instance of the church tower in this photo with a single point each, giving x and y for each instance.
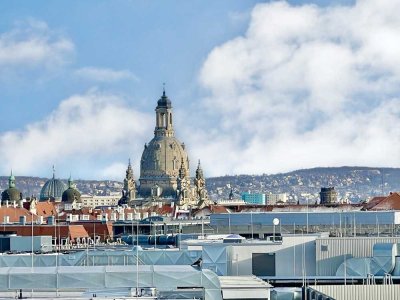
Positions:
(164, 117)
(183, 187)
(161, 158)
(201, 194)
(129, 191)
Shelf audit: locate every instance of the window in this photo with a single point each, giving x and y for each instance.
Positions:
(324, 247)
(263, 264)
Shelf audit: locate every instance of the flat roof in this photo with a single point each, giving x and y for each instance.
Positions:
(236, 282)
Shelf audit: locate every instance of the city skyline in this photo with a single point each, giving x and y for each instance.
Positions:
(256, 87)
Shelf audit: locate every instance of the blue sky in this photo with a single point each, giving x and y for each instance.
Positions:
(80, 79)
(158, 41)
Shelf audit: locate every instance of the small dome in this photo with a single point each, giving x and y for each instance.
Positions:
(52, 190)
(70, 195)
(164, 101)
(11, 194)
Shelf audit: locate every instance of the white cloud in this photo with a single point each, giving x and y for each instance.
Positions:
(105, 75)
(82, 136)
(114, 171)
(305, 86)
(32, 44)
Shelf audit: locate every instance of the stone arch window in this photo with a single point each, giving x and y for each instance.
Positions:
(163, 120)
(156, 164)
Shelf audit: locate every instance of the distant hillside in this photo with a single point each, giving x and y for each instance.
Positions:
(355, 183)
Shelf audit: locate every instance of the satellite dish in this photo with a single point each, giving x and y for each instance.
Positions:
(275, 221)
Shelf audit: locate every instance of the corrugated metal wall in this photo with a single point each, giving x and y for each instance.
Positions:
(360, 292)
(312, 218)
(331, 252)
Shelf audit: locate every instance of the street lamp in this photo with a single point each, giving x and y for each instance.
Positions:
(275, 221)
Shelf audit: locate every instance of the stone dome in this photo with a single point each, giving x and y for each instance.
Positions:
(71, 194)
(52, 190)
(160, 164)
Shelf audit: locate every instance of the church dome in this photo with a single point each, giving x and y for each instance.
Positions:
(52, 190)
(12, 193)
(162, 158)
(71, 194)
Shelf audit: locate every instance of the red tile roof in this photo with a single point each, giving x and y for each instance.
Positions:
(14, 213)
(391, 202)
(46, 209)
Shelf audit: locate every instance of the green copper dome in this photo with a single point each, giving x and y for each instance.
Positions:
(71, 194)
(12, 193)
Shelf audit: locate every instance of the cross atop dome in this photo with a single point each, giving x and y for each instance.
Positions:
(164, 100)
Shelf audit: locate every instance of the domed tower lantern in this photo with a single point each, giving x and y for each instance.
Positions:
(164, 117)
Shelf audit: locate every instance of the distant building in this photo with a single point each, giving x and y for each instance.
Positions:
(328, 195)
(231, 202)
(164, 167)
(94, 201)
(274, 199)
(163, 156)
(249, 198)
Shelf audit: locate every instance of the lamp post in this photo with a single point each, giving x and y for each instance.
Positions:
(275, 222)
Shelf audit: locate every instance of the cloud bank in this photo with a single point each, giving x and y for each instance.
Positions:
(305, 86)
(88, 134)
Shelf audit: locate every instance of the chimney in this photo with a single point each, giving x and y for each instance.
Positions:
(39, 220)
(22, 220)
(50, 220)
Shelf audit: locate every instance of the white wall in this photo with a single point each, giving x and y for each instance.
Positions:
(290, 256)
